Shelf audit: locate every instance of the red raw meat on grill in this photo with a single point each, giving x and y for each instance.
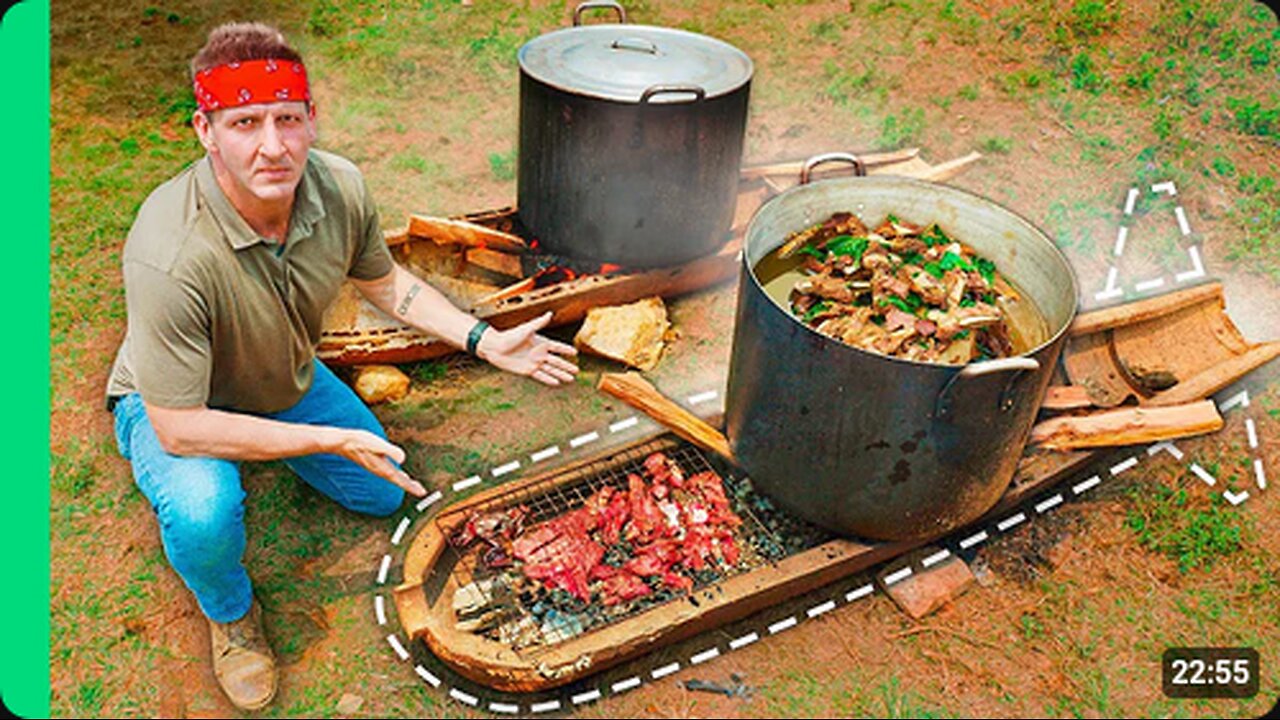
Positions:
(647, 521)
(613, 517)
(654, 558)
(676, 581)
(675, 525)
(621, 587)
(561, 553)
(664, 470)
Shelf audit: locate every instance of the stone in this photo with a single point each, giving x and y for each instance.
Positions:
(634, 334)
(924, 591)
(380, 383)
(349, 704)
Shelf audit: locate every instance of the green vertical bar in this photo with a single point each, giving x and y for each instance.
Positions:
(24, 216)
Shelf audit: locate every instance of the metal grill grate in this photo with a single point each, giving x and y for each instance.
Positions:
(503, 605)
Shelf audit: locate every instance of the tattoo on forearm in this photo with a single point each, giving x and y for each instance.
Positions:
(403, 307)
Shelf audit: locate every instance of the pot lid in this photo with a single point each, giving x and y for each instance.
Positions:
(620, 62)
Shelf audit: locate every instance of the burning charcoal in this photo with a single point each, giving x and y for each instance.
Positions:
(521, 633)
(483, 621)
(472, 597)
(558, 626)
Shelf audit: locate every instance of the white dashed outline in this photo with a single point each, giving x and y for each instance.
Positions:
(865, 590)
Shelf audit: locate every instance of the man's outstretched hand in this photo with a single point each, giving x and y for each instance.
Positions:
(375, 455)
(521, 350)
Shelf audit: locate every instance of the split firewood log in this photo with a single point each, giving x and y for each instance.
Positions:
(1127, 426)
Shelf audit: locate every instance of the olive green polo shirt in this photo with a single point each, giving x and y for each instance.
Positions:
(222, 317)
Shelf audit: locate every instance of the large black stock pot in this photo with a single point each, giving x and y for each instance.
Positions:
(630, 140)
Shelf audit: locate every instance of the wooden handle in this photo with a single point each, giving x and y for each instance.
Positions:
(635, 391)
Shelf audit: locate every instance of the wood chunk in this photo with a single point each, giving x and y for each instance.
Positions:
(924, 591)
(633, 334)
(1065, 397)
(638, 393)
(446, 231)
(380, 383)
(1128, 426)
(496, 261)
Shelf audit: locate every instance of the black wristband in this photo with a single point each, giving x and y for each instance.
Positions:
(473, 337)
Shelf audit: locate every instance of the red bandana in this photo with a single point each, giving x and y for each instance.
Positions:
(249, 82)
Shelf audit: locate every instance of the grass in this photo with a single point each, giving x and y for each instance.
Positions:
(1254, 118)
(503, 165)
(1085, 74)
(902, 128)
(900, 703)
(1195, 534)
(997, 144)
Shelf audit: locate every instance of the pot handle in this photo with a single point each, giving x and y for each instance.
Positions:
(1015, 366)
(698, 92)
(859, 168)
(596, 4)
(635, 45)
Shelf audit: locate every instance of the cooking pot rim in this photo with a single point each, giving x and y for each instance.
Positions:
(1036, 232)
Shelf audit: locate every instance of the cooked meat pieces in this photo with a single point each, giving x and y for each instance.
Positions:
(905, 290)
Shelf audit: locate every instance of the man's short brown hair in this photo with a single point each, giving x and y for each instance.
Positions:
(237, 42)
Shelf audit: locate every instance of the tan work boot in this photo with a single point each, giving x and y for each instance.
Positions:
(243, 661)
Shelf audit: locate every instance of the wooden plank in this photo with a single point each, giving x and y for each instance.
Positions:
(1146, 309)
(396, 237)
(496, 261)
(1128, 426)
(447, 231)
(1219, 376)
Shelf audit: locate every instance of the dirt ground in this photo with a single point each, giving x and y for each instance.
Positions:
(1076, 605)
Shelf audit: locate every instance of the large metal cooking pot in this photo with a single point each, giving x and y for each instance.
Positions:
(630, 141)
(874, 446)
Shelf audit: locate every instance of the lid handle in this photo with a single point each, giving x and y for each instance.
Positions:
(859, 168)
(635, 44)
(699, 94)
(598, 4)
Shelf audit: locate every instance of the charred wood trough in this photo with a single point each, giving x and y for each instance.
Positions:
(479, 594)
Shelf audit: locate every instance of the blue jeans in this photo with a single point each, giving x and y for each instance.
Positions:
(199, 501)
